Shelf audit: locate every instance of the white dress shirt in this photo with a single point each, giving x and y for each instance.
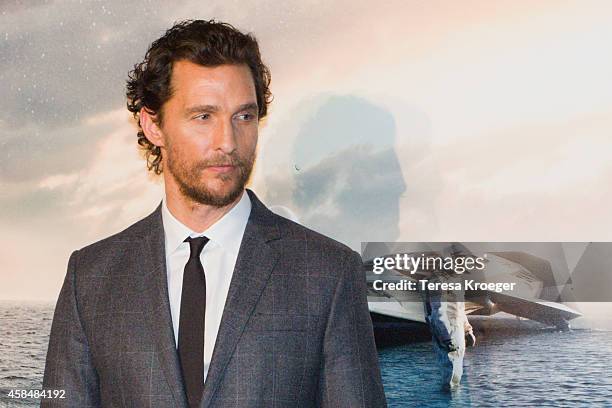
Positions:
(218, 259)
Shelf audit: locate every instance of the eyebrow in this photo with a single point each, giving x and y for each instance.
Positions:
(215, 108)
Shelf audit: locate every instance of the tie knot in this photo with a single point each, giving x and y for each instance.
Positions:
(196, 245)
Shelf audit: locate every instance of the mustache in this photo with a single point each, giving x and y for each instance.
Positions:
(235, 161)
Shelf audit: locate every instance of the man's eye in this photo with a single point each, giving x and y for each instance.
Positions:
(203, 116)
(246, 116)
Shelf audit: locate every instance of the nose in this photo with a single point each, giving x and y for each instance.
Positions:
(225, 137)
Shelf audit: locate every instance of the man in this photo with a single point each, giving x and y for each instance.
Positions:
(212, 300)
(448, 322)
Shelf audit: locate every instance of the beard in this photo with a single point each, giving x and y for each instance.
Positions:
(188, 178)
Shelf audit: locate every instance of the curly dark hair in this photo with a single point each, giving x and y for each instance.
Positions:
(208, 43)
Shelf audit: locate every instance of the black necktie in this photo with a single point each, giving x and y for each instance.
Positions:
(191, 322)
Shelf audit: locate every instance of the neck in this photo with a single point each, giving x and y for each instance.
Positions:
(198, 217)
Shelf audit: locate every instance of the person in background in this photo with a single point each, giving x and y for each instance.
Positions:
(449, 326)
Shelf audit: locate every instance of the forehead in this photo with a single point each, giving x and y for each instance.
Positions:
(231, 82)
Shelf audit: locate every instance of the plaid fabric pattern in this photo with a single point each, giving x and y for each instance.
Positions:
(295, 331)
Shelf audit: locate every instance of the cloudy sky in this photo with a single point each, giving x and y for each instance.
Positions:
(407, 120)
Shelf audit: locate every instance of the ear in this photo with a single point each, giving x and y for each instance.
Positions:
(150, 128)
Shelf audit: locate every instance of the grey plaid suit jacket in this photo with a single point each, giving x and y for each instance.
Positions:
(295, 330)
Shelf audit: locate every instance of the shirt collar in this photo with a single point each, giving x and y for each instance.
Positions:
(226, 232)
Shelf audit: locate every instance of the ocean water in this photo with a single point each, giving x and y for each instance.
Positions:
(535, 368)
(24, 334)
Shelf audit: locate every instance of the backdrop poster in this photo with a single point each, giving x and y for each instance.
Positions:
(400, 121)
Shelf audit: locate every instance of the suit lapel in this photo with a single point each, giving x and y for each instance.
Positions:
(254, 264)
(158, 306)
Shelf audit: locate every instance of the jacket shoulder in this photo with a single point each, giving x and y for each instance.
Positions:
(315, 241)
(131, 234)
(305, 249)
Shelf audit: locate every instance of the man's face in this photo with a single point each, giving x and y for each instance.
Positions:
(210, 131)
